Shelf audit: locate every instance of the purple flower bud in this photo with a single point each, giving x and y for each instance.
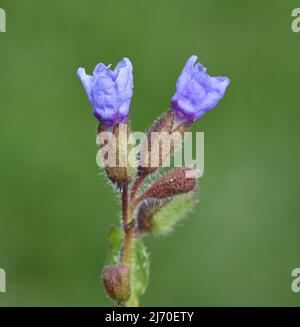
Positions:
(109, 92)
(197, 92)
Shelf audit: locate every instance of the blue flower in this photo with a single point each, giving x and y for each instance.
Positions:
(196, 92)
(109, 92)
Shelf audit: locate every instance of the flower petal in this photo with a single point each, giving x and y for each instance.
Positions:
(197, 92)
(109, 92)
(87, 81)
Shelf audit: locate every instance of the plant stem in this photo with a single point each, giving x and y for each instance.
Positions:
(125, 204)
(128, 227)
(136, 186)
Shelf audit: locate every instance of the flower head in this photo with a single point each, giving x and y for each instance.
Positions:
(109, 92)
(196, 91)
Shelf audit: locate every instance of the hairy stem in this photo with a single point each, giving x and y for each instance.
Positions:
(136, 186)
(128, 227)
(125, 204)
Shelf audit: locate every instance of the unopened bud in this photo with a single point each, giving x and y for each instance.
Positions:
(166, 124)
(171, 184)
(116, 281)
(160, 217)
(145, 217)
(116, 145)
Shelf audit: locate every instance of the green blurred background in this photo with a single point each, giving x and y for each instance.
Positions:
(240, 244)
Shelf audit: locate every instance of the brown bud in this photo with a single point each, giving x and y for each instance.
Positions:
(116, 281)
(145, 217)
(160, 216)
(165, 124)
(119, 171)
(171, 184)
